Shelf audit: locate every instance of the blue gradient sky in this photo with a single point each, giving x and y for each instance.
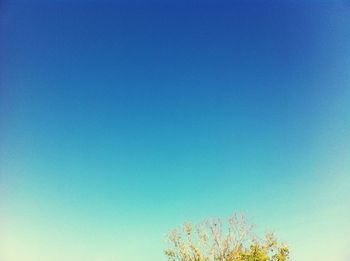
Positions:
(121, 120)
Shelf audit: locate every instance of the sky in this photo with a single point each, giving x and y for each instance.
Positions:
(120, 120)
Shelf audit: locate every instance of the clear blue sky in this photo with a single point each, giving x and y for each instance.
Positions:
(120, 120)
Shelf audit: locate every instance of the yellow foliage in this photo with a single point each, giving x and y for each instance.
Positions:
(214, 241)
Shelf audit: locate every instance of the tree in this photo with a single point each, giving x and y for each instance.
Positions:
(213, 240)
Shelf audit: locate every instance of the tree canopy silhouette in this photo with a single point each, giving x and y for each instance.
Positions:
(214, 240)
